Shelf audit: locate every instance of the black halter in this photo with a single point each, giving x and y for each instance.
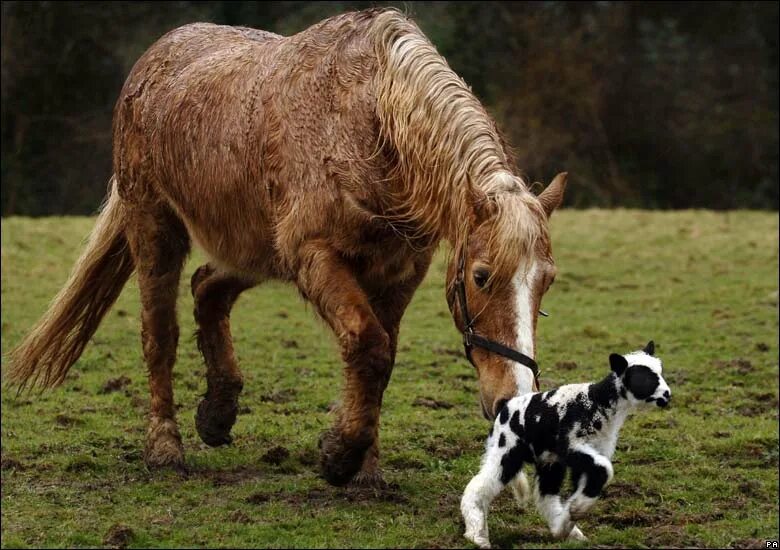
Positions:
(471, 339)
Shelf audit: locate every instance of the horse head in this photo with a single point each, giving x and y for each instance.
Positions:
(496, 279)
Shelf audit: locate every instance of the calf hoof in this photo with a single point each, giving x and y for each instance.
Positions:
(163, 445)
(341, 458)
(576, 534)
(478, 539)
(215, 419)
(562, 528)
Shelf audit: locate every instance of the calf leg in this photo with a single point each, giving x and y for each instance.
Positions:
(521, 489)
(590, 472)
(215, 293)
(480, 492)
(549, 480)
(501, 466)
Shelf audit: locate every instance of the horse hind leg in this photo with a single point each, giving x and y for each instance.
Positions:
(159, 243)
(215, 293)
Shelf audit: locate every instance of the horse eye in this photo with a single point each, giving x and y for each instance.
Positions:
(481, 277)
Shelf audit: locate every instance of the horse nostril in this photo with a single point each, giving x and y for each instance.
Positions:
(667, 394)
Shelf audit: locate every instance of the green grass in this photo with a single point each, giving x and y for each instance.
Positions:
(702, 473)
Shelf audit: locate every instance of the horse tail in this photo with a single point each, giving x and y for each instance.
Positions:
(57, 340)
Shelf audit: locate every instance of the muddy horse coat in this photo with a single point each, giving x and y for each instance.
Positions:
(336, 159)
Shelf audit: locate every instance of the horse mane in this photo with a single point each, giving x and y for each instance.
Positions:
(449, 155)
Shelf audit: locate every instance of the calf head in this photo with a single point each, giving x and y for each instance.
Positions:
(641, 375)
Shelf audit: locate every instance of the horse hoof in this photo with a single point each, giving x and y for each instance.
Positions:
(372, 480)
(163, 445)
(341, 459)
(214, 420)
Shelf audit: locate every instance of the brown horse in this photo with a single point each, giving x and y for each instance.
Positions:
(336, 159)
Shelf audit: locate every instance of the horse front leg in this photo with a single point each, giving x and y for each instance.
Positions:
(389, 305)
(365, 348)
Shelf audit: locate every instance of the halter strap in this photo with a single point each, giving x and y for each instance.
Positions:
(470, 337)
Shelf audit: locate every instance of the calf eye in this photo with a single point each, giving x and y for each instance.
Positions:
(481, 277)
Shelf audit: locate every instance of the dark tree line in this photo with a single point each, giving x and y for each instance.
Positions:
(659, 105)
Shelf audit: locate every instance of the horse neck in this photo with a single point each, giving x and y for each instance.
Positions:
(444, 144)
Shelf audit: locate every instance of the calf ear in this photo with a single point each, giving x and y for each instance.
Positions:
(618, 364)
(650, 348)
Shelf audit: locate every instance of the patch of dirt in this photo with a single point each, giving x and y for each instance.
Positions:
(622, 518)
(281, 396)
(118, 536)
(220, 478)
(444, 452)
(721, 435)
(742, 366)
(163, 520)
(282, 314)
(258, 498)
(764, 397)
(595, 332)
(431, 403)
(114, 384)
(621, 489)
(658, 519)
(132, 456)
(516, 538)
(751, 488)
(10, 464)
(749, 543)
(722, 314)
(762, 404)
(65, 420)
(308, 457)
(138, 402)
(762, 451)
(81, 464)
(671, 536)
(389, 493)
(761, 346)
(244, 410)
(403, 463)
(566, 365)
(290, 344)
(668, 422)
(276, 455)
(238, 516)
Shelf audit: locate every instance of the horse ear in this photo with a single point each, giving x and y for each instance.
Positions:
(552, 197)
(618, 364)
(650, 348)
(483, 207)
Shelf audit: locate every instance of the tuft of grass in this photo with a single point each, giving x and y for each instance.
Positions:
(703, 285)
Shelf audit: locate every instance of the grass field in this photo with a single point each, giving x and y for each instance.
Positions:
(702, 473)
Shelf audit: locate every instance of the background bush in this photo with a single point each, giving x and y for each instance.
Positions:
(655, 105)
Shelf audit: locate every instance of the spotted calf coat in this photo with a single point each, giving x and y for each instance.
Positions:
(573, 427)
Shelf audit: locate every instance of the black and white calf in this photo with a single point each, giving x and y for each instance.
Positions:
(575, 427)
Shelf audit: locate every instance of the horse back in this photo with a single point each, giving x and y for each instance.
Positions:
(270, 138)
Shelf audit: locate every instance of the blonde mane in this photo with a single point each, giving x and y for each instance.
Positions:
(450, 156)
